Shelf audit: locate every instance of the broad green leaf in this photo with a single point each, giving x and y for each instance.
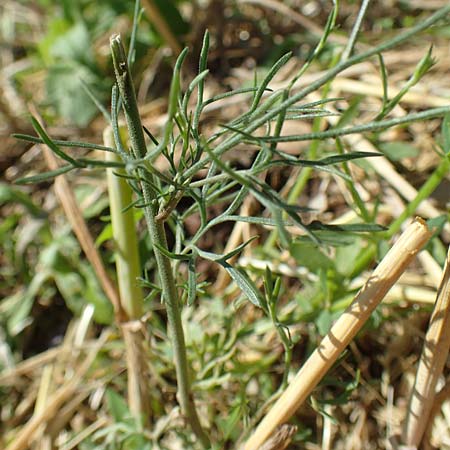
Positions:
(347, 255)
(117, 406)
(398, 150)
(309, 255)
(65, 91)
(324, 321)
(55, 29)
(74, 45)
(245, 284)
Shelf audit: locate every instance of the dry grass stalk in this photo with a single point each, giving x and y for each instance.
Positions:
(281, 438)
(67, 199)
(54, 403)
(27, 367)
(442, 396)
(431, 364)
(343, 331)
(102, 422)
(137, 370)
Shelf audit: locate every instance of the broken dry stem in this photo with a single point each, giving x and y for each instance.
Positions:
(343, 331)
(434, 355)
(128, 270)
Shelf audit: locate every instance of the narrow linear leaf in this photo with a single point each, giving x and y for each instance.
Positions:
(89, 162)
(328, 161)
(264, 221)
(150, 135)
(88, 145)
(171, 255)
(268, 78)
(51, 145)
(192, 282)
(238, 249)
(97, 102)
(368, 127)
(351, 227)
(230, 94)
(446, 133)
(45, 176)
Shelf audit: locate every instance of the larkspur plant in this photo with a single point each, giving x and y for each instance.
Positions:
(190, 152)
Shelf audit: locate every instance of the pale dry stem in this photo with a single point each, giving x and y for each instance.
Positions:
(343, 331)
(432, 361)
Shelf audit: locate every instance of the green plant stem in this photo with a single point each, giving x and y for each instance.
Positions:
(355, 30)
(424, 192)
(305, 173)
(158, 237)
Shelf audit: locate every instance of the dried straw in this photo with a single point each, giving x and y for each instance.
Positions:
(343, 331)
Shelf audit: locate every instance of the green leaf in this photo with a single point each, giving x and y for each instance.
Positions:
(267, 79)
(238, 249)
(117, 406)
(229, 425)
(310, 256)
(437, 222)
(349, 227)
(88, 145)
(324, 321)
(65, 91)
(244, 283)
(398, 150)
(347, 255)
(17, 308)
(55, 29)
(172, 255)
(446, 134)
(229, 94)
(192, 282)
(73, 45)
(53, 147)
(10, 193)
(44, 176)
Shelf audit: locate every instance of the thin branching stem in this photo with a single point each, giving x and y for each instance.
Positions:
(236, 138)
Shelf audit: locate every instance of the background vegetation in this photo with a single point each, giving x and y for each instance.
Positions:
(250, 214)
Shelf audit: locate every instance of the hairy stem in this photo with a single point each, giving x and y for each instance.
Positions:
(158, 237)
